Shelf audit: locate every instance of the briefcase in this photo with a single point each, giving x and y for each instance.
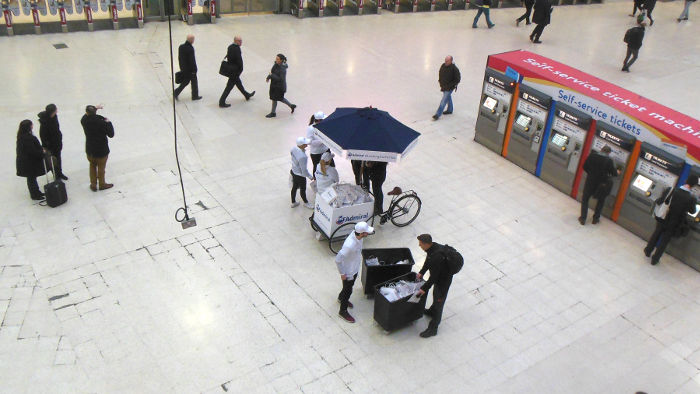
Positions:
(179, 77)
(55, 191)
(227, 69)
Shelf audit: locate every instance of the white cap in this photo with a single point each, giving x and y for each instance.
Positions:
(363, 227)
(319, 115)
(302, 141)
(327, 156)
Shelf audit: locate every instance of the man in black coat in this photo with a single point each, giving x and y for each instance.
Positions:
(448, 78)
(188, 68)
(599, 168)
(235, 59)
(541, 17)
(633, 38)
(682, 203)
(97, 129)
(440, 276)
(51, 137)
(528, 10)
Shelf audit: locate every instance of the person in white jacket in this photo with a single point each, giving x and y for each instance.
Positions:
(300, 172)
(348, 261)
(326, 175)
(316, 146)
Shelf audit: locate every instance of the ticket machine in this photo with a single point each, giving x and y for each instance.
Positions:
(9, 8)
(562, 154)
(655, 171)
(621, 145)
(494, 109)
(687, 249)
(525, 139)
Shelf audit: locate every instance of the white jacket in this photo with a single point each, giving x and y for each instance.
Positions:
(323, 182)
(299, 160)
(316, 146)
(349, 258)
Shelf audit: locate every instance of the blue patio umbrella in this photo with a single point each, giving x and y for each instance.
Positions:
(366, 134)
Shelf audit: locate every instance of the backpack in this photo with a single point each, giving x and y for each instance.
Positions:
(662, 205)
(454, 260)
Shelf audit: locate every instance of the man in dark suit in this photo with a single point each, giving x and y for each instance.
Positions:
(188, 67)
(682, 202)
(541, 17)
(599, 169)
(234, 58)
(97, 129)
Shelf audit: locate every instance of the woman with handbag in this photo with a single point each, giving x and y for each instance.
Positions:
(30, 158)
(278, 84)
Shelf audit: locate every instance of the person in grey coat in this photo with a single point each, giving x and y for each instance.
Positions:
(278, 84)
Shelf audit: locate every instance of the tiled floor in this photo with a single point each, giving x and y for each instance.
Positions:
(108, 294)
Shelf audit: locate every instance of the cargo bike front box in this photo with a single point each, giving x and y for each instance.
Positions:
(389, 267)
(394, 315)
(327, 218)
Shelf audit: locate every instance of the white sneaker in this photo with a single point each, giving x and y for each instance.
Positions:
(309, 205)
(295, 204)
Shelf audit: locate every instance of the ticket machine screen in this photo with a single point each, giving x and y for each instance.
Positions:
(560, 140)
(642, 183)
(490, 103)
(523, 120)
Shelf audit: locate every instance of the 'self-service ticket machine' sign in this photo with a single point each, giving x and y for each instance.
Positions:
(656, 171)
(564, 147)
(621, 145)
(494, 109)
(687, 249)
(528, 128)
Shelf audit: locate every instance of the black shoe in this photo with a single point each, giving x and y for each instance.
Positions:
(293, 107)
(528, 23)
(382, 219)
(492, 25)
(63, 177)
(196, 98)
(654, 262)
(651, 23)
(582, 221)
(532, 38)
(175, 97)
(647, 252)
(428, 312)
(517, 22)
(224, 105)
(447, 112)
(430, 332)
(271, 115)
(595, 220)
(537, 42)
(625, 69)
(38, 197)
(435, 117)
(249, 95)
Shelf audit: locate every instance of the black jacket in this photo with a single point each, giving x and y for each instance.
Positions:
(682, 203)
(96, 132)
(30, 156)
(185, 55)
(449, 77)
(278, 81)
(233, 56)
(436, 263)
(649, 4)
(529, 3)
(634, 37)
(50, 132)
(543, 10)
(599, 168)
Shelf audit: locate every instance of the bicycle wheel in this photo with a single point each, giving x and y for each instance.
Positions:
(405, 210)
(336, 240)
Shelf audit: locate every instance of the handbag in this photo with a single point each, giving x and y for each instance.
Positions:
(661, 208)
(227, 69)
(179, 77)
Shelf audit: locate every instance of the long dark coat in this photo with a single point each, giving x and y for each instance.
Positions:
(543, 10)
(30, 156)
(278, 82)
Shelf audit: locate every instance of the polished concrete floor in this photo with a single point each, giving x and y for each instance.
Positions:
(108, 294)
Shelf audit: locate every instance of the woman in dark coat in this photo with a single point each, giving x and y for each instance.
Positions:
(278, 84)
(30, 158)
(51, 137)
(541, 17)
(649, 7)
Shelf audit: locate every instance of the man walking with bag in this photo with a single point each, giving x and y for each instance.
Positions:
(188, 68)
(443, 262)
(348, 261)
(680, 202)
(234, 61)
(448, 78)
(599, 168)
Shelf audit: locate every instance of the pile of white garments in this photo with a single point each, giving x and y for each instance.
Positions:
(398, 290)
(347, 194)
(373, 261)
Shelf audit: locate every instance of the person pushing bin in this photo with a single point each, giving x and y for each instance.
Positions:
(348, 261)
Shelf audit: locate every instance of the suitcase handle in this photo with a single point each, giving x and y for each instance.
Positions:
(43, 160)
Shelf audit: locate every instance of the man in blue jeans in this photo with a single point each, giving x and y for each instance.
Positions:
(449, 78)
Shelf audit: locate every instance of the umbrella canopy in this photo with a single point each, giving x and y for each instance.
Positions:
(366, 134)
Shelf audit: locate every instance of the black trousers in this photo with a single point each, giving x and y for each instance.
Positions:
(186, 81)
(232, 81)
(526, 15)
(439, 297)
(377, 183)
(344, 295)
(58, 169)
(316, 158)
(357, 170)
(651, 20)
(659, 240)
(537, 32)
(33, 187)
(298, 183)
(588, 191)
(633, 53)
(636, 6)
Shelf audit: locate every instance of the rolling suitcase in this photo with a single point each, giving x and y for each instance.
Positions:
(55, 191)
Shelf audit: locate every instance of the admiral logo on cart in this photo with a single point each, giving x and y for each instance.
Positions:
(345, 219)
(319, 210)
